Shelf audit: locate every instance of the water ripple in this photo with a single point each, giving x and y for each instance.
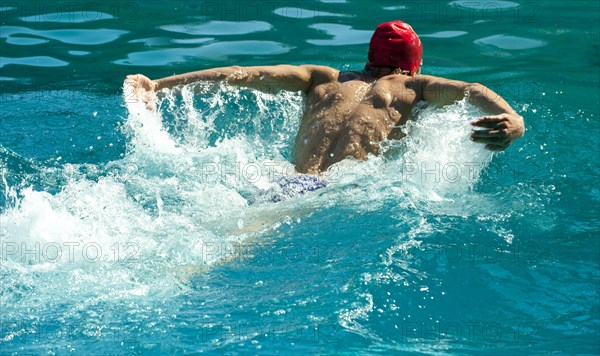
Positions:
(393, 8)
(71, 36)
(485, 4)
(342, 35)
(219, 28)
(445, 34)
(153, 41)
(299, 13)
(510, 42)
(215, 51)
(192, 40)
(37, 61)
(79, 53)
(68, 17)
(25, 41)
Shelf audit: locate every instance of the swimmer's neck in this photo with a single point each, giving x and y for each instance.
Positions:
(380, 72)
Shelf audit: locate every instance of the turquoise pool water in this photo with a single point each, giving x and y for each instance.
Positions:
(123, 231)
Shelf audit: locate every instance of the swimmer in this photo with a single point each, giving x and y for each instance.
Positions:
(347, 114)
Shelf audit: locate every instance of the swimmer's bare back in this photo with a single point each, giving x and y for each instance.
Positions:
(347, 114)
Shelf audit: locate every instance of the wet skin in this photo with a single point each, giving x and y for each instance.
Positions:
(347, 114)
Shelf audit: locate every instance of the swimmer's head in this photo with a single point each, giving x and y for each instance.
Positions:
(396, 45)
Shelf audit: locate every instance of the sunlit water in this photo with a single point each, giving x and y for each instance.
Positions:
(124, 230)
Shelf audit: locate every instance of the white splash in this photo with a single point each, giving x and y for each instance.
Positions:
(178, 201)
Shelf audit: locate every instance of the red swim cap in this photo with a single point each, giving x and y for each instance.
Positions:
(394, 44)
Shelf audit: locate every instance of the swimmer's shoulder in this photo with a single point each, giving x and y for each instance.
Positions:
(418, 82)
(322, 74)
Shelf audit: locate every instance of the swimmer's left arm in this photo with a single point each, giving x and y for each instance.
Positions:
(265, 78)
(501, 128)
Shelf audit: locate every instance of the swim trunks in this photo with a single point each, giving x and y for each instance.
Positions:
(291, 186)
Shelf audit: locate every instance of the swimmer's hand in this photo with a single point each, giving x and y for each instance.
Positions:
(141, 89)
(499, 130)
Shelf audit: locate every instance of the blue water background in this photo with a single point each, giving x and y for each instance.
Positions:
(128, 232)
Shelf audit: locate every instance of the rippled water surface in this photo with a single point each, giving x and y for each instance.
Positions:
(124, 231)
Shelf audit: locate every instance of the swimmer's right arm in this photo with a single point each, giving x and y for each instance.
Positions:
(503, 126)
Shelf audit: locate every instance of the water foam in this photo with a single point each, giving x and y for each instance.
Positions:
(178, 201)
